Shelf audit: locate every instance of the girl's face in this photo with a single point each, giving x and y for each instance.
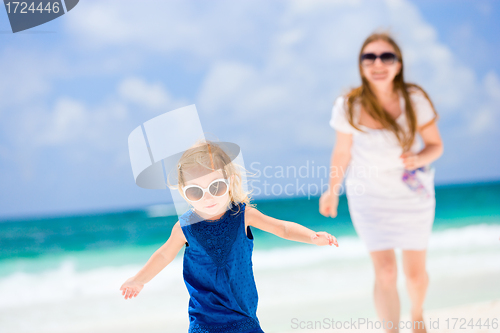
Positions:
(208, 205)
(378, 73)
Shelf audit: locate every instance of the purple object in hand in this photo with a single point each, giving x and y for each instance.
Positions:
(411, 179)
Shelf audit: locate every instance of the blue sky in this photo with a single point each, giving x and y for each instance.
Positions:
(263, 74)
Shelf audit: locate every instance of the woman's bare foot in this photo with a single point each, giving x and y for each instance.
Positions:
(418, 322)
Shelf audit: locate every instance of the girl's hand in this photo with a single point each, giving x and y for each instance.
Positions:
(323, 238)
(328, 204)
(131, 288)
(411, 160)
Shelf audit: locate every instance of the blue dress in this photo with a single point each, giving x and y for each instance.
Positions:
(218, 273)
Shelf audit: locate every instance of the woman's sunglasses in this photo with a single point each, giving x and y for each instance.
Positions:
(387, 58)
(217, 188)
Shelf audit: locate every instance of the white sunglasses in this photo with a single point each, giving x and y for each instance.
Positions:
(217, 188)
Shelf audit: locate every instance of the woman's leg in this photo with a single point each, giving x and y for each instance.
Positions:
(417, 281)
(385, 291)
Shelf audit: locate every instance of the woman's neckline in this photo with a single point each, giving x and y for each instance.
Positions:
(381, 129)
(401, 105)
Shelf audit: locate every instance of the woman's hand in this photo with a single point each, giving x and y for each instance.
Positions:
(328, 204)
(131, 288)
(411, 160)
(323, 238)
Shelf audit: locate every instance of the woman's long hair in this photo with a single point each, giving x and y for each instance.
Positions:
(364, 95)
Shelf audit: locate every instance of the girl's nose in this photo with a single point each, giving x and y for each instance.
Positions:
(208, 196)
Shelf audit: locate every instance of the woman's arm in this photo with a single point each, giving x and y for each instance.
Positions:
(341, 156)
(288, 230)
(432, 151)
(158, 261)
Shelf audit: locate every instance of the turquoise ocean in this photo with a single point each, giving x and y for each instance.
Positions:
(62, 274)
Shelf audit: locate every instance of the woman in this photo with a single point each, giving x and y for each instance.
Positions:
(389, 184)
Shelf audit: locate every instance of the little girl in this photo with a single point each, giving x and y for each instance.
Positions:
(218, 254)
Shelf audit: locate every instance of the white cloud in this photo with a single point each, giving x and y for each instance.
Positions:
(24, 76)
(152, 96)
(482, 121)
(492, 86)
(486, 116)
(224, 85)
(284, 63)
(205, 29)
(313, 56)
(269, 69)
(72, 121)
(66, 123)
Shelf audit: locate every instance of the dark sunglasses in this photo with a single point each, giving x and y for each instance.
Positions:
(386, 57)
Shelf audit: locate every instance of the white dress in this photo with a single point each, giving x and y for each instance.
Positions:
(385, 212)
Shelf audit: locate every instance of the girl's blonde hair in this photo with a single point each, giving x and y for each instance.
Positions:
(210, 156)
(370, 103)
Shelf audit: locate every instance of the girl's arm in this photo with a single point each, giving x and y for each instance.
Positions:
(432, 151)
(288, 230)
(158, 261)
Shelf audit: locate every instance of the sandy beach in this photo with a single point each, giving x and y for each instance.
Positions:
(296, 286)
(437, 321)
